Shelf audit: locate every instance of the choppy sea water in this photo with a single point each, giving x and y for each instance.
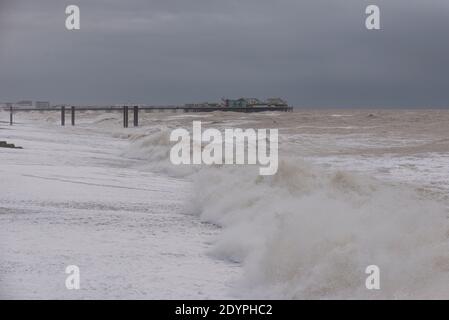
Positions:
(354, 188)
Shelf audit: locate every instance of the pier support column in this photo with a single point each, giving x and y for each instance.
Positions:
(136, 116)
(125, 117)
(63, 116)
(73, 116)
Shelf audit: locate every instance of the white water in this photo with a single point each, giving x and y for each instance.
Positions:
(310, 233)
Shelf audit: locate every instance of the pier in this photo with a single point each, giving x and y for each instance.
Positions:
(136, 109)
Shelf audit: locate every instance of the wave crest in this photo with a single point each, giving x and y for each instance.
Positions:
(306, 233)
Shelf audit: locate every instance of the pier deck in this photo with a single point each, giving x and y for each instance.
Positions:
(155, 108)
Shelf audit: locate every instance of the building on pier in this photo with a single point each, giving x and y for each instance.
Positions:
(254, 102)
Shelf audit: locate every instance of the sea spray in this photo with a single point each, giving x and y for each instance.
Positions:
(312, 234)
(309, 233)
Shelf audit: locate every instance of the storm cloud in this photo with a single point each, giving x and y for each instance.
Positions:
(314, 53)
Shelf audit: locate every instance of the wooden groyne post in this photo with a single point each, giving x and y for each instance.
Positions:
(136, 116)
(10, 116)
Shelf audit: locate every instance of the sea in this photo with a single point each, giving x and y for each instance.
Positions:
(354, 188)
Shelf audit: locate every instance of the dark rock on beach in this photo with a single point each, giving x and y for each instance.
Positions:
(4, 144)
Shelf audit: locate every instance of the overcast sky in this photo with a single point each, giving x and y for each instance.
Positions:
(314, 53)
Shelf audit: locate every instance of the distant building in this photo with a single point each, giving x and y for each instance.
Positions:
(42, 104)
(276, 102)
(252, 102)
(24, 103)
(202, 105)
(232, 103)
(6, 104)
(213, 105)
(242, 102)
(235, 103)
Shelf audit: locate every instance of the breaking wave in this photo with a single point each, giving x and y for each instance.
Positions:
(307, 233)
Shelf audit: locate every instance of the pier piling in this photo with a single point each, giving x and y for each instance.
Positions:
(125, 117)
(73, 116)
(63, 116)
(136, 116)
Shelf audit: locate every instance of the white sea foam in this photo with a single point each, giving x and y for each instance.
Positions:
(305, 233)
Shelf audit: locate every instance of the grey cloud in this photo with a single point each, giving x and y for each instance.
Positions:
(315, 53)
